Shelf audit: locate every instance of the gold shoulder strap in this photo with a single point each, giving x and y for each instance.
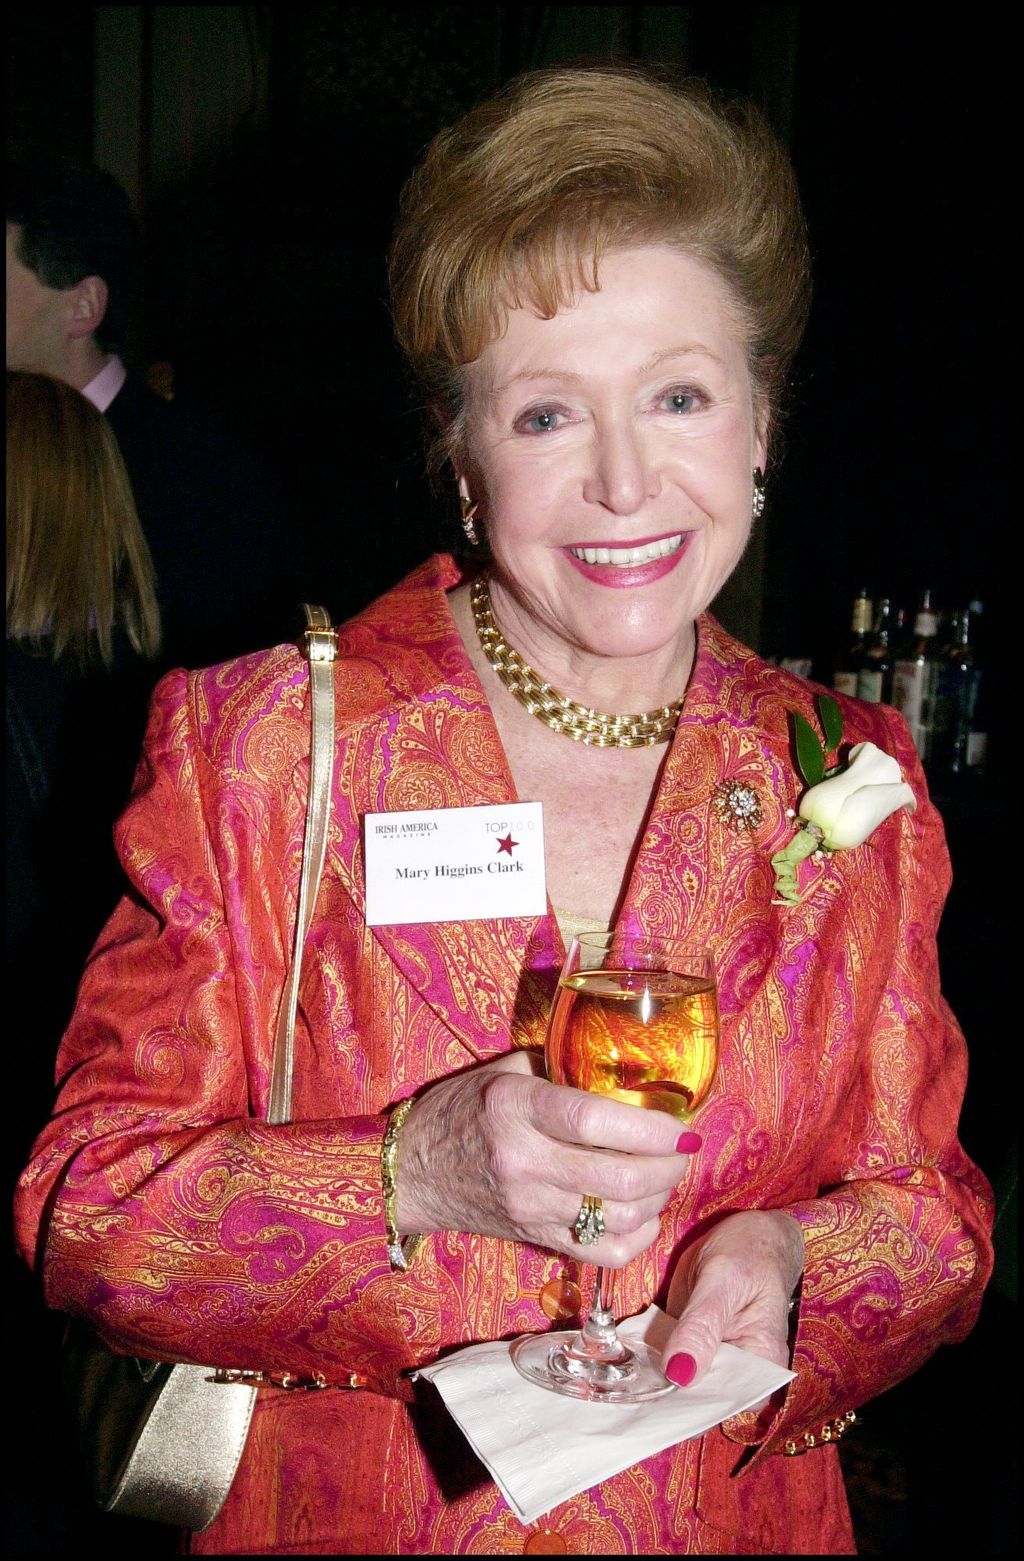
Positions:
(320, 650)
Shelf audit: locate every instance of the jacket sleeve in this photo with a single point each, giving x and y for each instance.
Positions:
(898, 1250)
(156, 1202)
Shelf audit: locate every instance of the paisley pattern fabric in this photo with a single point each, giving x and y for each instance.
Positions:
(188, 1229)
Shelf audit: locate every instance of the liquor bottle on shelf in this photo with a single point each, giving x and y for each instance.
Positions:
(850, 658)
(947, 638)
(976, 747)
(874, 680)
(914, 676)
(958, 742)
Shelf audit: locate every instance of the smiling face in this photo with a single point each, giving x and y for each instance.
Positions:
(611, 449)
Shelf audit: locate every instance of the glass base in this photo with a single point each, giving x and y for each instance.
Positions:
(560, 1362)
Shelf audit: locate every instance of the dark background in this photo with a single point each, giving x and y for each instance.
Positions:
(264, 148)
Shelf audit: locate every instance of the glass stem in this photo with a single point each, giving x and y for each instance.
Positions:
(598, 1339)
(601, 1310)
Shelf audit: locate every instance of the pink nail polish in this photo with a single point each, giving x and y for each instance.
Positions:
(681, 1369)
(688, 1143)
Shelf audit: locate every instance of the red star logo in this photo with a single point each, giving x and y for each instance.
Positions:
(505, 843)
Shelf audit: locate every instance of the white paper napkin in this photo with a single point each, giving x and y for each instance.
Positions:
(541, 1448)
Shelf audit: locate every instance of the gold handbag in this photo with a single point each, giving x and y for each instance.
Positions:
(161, 1440)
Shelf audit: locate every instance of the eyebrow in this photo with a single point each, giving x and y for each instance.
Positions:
(562, 376)
(692, 349)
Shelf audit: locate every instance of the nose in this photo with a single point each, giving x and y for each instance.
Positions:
(622, 475)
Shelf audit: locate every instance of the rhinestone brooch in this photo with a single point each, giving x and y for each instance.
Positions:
(738, 806)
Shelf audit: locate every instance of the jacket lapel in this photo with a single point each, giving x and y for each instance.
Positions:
(695, 877)
(436, 746)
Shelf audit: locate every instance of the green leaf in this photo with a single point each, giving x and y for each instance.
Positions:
(831, 722)
(809, 754)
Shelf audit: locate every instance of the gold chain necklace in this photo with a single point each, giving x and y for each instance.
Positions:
(579, 722)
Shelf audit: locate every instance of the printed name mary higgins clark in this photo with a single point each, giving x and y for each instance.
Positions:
(443, 870)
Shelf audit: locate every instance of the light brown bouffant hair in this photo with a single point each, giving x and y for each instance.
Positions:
(77, 562)
(515, 204)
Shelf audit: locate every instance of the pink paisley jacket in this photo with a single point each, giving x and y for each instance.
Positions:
(165, 1210)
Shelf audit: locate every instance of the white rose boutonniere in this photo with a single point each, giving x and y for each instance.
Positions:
(849, 806)
(845, 803)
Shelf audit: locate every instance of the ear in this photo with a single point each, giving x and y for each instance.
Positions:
(463, 486)
(88, 304)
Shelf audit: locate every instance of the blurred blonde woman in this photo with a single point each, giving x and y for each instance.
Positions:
(83, 627)
(78, 566)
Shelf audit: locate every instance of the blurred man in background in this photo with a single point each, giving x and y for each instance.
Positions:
(208, 507)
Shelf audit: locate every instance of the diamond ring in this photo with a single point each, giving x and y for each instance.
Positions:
(589, 1226)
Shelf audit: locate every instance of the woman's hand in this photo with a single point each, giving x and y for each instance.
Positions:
(734, 1287)
(502, 1152)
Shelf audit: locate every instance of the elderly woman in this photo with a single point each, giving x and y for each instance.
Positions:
(601, 280)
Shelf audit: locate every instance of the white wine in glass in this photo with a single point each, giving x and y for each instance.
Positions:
(636, 1018)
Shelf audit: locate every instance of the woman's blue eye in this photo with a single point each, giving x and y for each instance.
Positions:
(681, 400)
(542, 422)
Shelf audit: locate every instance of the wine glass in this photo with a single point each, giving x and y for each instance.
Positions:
(636, 1018)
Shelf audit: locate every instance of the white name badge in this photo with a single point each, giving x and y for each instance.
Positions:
(455, 864)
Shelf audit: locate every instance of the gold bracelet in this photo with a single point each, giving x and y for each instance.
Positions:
(401, 1250)
(291, 1381)
(831, 1431)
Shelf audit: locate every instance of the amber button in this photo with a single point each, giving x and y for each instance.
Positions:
(560, 1299)
(545, 1543)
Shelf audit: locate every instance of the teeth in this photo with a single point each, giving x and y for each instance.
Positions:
(625, 557)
